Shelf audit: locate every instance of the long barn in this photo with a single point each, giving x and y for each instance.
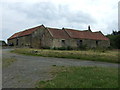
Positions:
(41, 37)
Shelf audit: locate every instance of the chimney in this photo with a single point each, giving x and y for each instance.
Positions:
(89, 28)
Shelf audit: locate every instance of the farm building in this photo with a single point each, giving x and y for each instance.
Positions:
(41, 36)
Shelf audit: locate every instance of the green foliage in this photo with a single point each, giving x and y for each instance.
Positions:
(100, 49)
(82, 47)
(69, 48)
(45, 47)
(82, 77)
(63, 48)
(114, 41)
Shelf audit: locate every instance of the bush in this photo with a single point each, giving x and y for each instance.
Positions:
(83, 47)
(62, 48)
(114, 41)
(69, 48)
(100, 49)
(46, 47)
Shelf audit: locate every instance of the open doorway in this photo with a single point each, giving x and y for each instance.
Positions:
(79, 43)
(63, 43)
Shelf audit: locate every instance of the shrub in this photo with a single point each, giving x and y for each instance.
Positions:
(62, 48)
(99, 49)
(83, 47)
(69, 48)
(45, 47)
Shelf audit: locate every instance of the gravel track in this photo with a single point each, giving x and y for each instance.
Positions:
(27, 70)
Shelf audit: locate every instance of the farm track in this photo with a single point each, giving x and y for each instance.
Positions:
(27, 70)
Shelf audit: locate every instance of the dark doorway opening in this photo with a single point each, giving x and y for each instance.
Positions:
(17, 42)
(63, 42)
(79, 43)
(97, 43)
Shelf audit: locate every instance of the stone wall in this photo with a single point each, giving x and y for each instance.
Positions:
(24, 41)
(41, 38)
(47, 39)
(21, 41)
(61, 42)
(104, 43)
(89, 43)
(37, 38)
(12, 41)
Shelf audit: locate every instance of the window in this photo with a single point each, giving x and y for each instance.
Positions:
(80, 41)
(63, 42)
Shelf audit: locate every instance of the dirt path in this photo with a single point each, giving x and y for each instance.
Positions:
(27, 70)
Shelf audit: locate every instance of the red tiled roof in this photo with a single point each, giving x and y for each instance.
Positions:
(58, 33)
(85, 34)
(25, 32)
(15, 35)
(29, 31)
(64, 33)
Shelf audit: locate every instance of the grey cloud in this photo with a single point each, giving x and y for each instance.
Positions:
(21, 15)
(81, 17)
(48, 12)
(111, 26)
(119, 16)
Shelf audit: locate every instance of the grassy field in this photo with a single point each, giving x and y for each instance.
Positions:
(82, 77)
(7, 61)
(106, 56)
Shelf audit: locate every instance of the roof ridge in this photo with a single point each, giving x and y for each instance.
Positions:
(53, 28)
(67, 32)
(32, 28)
(49, 31)
(77, 30)
(25, 32)
(85, 34)
(27, 29)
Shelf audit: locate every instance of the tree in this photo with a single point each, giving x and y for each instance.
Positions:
(114, 39)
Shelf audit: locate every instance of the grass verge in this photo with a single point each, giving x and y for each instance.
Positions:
(82, 77)
(106, 56)
(7, 61)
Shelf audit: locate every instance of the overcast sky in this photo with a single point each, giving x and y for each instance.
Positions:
(18, 15)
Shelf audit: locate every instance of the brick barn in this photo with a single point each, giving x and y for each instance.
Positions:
(41, 36)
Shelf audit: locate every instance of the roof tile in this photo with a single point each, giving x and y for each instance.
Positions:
(58, 33)
(25, 32)
(64, 33)
(86, 34)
